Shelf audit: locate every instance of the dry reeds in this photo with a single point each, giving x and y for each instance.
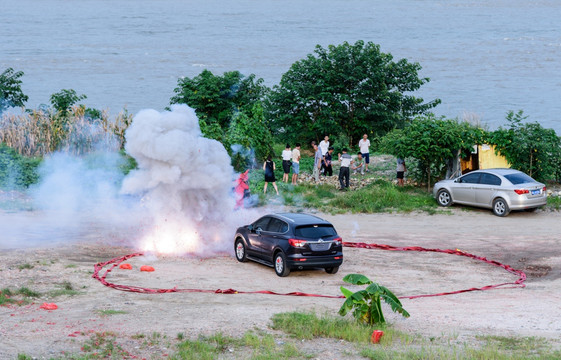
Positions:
(37, 133)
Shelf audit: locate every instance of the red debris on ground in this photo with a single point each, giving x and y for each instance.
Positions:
(376, 335)
(146, 268)
(125, 266)
(49, 306)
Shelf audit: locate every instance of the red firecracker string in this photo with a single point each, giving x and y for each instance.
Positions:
(99, 267)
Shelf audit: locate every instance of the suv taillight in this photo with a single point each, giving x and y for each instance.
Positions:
(297, 242)
(521, 191)
(338, 241)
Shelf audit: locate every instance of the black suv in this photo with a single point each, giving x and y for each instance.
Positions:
(287, 241)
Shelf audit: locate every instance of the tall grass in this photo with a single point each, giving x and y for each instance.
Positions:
(38, 132)
(309, 326)
(383, 196)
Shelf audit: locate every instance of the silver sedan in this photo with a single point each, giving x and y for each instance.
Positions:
(501, 190)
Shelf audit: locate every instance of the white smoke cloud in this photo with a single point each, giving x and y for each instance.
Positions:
(178, 201)
(186, 182)
(76, 200)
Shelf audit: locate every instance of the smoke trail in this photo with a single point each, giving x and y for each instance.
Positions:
(76, 200)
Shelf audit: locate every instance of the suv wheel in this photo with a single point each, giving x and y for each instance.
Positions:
(443, 198)
(332, 270)
(281, 267)
(239, 248)
(500, 207)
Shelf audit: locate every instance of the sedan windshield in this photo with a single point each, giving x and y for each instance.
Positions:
(519, 178)
(315, 231)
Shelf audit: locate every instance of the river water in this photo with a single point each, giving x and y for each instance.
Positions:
(483, 57)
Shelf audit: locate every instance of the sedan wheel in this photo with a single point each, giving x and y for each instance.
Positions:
(280, 265)
(240, 251)
(332, 270)
(443, 198)
(500, 207)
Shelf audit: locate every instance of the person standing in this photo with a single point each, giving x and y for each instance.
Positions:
(241, 189)
(327, 162)
(364, 145)
(324, 147)
(269, 167)
(318, 160)
(401, 169)
(344, 175)
(286, 157)
(295, 163)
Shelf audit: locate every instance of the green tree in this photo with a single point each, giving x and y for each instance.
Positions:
(10, 89)
(432, 141)
(63, 100)
(349, 89)
(248, 138)
(529, 147)
(217, 99)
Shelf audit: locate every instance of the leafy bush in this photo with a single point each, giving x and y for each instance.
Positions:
(529, 147)
(63, 100)
(17, 171)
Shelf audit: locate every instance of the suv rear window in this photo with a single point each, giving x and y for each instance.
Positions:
(519, 178)
(315, 231)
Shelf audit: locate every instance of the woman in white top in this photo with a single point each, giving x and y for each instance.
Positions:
(324, 145)
(286, 156)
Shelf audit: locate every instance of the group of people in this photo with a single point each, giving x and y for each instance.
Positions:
(323, 156)
(322, 163)
(290, 160)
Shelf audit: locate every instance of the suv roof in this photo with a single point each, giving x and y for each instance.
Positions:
(301, 218)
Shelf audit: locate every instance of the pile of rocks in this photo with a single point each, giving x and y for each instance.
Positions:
(554, 192)
(357, 181)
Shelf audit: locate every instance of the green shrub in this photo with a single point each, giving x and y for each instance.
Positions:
(17, 171)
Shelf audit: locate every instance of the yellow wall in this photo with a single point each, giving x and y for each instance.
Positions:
(488, 159)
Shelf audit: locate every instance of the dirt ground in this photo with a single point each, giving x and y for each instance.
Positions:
(526, 241)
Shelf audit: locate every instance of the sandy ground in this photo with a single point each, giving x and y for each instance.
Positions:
(526, 241)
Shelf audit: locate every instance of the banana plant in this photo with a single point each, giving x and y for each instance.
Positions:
(366, 304)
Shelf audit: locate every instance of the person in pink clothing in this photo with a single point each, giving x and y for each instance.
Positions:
(241, 189)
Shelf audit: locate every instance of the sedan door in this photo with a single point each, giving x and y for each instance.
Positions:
(484, 191)
(463, 188)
